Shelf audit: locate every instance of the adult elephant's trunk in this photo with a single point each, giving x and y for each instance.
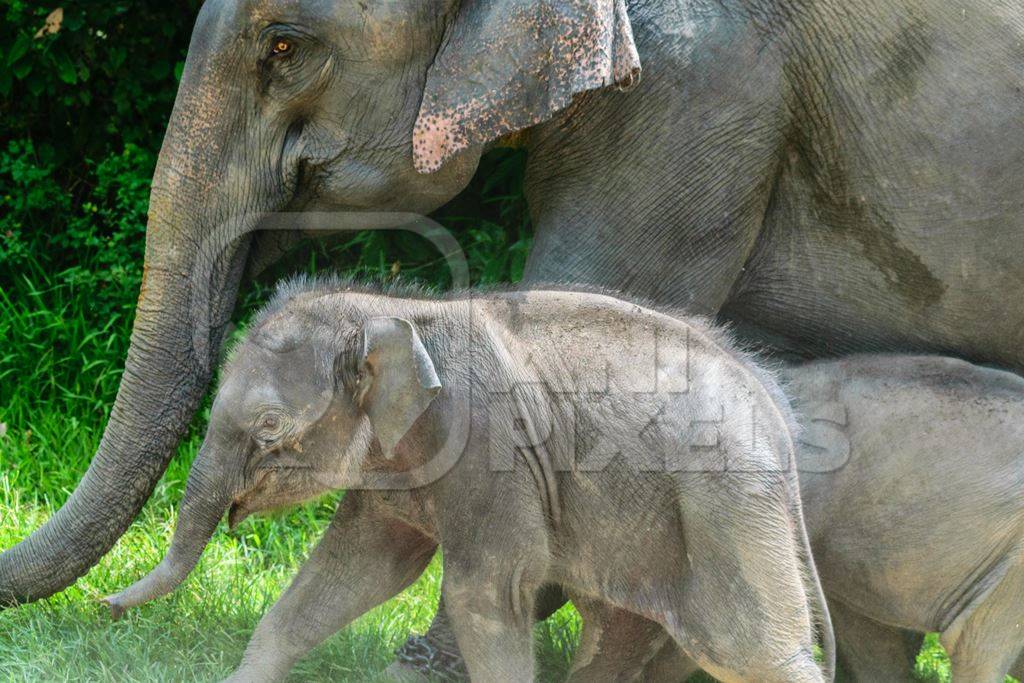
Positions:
(164, 380)
(195, 255)
(207, 496)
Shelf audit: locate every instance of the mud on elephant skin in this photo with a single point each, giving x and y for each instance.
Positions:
(579, 461)
(912, 474)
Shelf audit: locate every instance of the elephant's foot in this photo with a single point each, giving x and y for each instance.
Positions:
(403, 673)
(423, 659)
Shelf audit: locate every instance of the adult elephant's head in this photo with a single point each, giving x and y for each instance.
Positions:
(291, 105)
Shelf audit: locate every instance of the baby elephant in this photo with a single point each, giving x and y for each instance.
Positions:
(912, 473)
(544, 437)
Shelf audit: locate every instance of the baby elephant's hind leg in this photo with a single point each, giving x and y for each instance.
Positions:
(745, 612)
(870, 651)
(991, 639)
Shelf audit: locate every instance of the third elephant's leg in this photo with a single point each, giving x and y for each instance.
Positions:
(989, 642)
(616, 645)
(437, 654)
(869, 651)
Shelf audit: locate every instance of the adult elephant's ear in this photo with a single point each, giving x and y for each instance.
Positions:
(505, 65)
(397, 379)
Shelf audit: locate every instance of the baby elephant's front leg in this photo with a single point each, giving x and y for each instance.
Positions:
(363, 559)
(491, 612)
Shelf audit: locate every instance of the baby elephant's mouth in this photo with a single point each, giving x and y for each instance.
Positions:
(267, 493)
(237, 514)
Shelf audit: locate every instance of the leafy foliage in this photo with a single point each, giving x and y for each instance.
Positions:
(96, 80)
(86, 89)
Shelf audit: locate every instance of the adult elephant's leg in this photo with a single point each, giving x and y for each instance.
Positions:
(869, 651)
(436, 653)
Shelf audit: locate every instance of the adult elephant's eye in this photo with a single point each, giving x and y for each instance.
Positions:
(281, 47)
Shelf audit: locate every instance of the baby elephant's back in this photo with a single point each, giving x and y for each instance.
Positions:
(652, 385)
(578, 342)
(904, 460)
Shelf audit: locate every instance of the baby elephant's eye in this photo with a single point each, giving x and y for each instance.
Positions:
(268, 430)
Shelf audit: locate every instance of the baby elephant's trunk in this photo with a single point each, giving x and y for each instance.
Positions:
(201, 510)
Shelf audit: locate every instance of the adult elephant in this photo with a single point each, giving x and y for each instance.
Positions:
(831, 175)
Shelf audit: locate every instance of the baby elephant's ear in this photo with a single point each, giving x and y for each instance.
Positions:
(397, 379)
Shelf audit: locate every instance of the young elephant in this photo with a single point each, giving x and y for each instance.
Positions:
(546, 437)
(912, 475)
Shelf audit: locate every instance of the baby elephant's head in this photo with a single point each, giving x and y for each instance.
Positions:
(300, 407)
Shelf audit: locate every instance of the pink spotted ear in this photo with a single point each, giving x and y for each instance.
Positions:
(506, 65)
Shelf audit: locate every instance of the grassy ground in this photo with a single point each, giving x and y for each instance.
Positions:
(60, 361)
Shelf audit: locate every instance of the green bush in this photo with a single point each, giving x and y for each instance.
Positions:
(99, 239)
(86, 90)
(98, 76)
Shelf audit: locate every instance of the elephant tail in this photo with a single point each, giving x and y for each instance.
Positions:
(812, 583)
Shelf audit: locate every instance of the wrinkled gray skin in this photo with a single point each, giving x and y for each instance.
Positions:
(831, 175)
(921, 530)
(344, 389)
